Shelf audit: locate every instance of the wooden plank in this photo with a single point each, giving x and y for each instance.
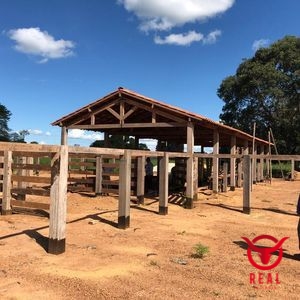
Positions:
(81, 180)
(22, 148)
(6, 197)
(31, 167)
(247, 184)
(58, 202)
(163, 184)
(30, 191)
(29, 204)
(124, 191)
(79, 172)
(32, 179)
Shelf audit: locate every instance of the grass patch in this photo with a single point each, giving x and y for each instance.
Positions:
(200, 251)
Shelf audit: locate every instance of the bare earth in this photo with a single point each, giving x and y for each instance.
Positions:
(153, 258)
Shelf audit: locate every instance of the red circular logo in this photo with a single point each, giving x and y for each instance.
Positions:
(264, 253)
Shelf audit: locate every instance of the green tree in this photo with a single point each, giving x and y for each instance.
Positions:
(119, 142)
(266, 90)
(5, 115)
(19, 137)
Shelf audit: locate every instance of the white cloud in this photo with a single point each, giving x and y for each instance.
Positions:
(85, 135)
(211, 38)
(185, 39)
(166, 14)
(151, 143)
(257, 44)
(181, 39)
(40, 43)
(35, 131)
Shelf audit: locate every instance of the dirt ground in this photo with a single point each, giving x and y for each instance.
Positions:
(153, 259)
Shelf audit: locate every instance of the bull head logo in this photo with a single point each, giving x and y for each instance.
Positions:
(265, 253)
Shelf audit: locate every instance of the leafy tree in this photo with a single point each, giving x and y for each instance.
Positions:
(5, 115)
(266, 90)
(19, 137)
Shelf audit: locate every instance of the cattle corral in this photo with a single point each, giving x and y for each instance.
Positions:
(73, 201)
(23, 175)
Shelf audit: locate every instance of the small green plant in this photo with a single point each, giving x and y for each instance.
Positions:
(200, 251)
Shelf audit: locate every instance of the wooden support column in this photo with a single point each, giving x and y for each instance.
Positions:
(163, 184)
(99, 175)
(106, 140)
(7, 173)
(216, 162)
(239, 175)
(136, 142)
(141, 161)
(58, 201)
(21, 172)
(232, 163)
(225, 174)
(64, 136)
(124, 190)
(262, 163)
(195, 162)
(292, 169)
(246, 147)
(190, 166)
(247, 184)
(254, 160)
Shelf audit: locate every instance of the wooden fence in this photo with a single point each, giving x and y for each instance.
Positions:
(50, 171)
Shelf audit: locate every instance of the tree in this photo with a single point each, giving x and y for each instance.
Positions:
(19, 137)
(266, 90)
(5, 115)
(119, 142)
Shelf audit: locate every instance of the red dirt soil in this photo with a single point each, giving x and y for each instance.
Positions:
(153, 259)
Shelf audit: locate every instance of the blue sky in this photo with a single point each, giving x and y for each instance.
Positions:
(57, 56)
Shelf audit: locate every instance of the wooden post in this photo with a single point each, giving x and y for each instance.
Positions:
(141, 161)
(190, 167)
(99, 176)
(216, 162)
(247, 184)
(124, 190)
(239, 175)
(21, 172)
(246, 147)
(7, 173)
(64, 136)
(232, 163)
(195, 162)
(270, 153)
(262, 163)
(225, 174)
(58, 201)
(254, 174)
(292, 169)
(163, 184)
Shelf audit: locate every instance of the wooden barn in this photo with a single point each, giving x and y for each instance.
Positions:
(127, 113)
